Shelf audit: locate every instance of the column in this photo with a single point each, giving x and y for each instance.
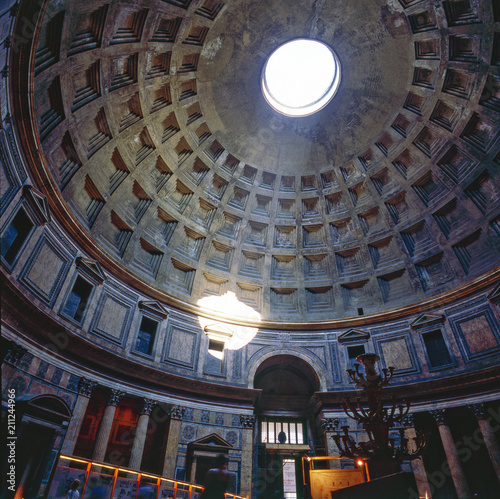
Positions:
(488, 436)
(416, 464)
(141, 432)
(85, 389)
(456, 470)
(174, 431)
(248, 423)
(330, 426)
(106, 424)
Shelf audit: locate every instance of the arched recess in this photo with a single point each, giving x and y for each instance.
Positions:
(286, 422)
(311, 364)
(287, 383)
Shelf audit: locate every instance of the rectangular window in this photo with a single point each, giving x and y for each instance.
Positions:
(436, 349)
(353, 352)
(146, 336)
(15, 235)
(215, 357)
(78, 299)
(279, 431)
(263, 432)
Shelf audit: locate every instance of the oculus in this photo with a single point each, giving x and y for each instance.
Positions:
(301, 77)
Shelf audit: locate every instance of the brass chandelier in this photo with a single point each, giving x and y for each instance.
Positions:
(377, 420)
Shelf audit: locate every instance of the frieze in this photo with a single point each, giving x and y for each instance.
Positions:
(232, 438)
(15, 153)
(466, 306)
(42, 369)
(389, 328)
(188, 433)
(56, 376)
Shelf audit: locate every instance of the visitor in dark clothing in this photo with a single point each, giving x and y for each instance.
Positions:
(217, 479)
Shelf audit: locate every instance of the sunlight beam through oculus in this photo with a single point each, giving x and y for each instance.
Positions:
(233, 335)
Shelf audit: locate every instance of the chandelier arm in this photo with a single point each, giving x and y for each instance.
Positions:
(350, 411)
(377, 420)
(362, 410)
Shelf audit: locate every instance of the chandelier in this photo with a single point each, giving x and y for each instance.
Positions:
(376, 419)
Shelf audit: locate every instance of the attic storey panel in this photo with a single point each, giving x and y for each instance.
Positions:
(46, 269)
(182, 347)
(478, 334)
(112, 317)
(398, 352)
(8, 179)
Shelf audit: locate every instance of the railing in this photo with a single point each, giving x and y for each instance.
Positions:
(104, 481)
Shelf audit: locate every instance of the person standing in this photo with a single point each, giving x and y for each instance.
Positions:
(217, 479)
(73, 490)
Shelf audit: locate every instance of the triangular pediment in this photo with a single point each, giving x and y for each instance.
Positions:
(37, 203)
(425, 320)
(494, 296)
(212, 440)
(154, 308)
(92, 268)
(354, 335)
(218, 331)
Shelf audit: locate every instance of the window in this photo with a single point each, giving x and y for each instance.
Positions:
(15, 235)
(215, 357)
(282, 431)
(353, 352)
(436, 349)
(78, 299)
(146, 336)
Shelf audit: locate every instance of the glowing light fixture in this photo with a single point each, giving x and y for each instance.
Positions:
(301, 77)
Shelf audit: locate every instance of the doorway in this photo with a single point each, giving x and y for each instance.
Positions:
(40, 420)
(35, 446)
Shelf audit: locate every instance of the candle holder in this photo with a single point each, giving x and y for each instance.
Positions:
(377, 420)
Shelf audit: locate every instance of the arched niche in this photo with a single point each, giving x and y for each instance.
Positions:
(287, 383)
